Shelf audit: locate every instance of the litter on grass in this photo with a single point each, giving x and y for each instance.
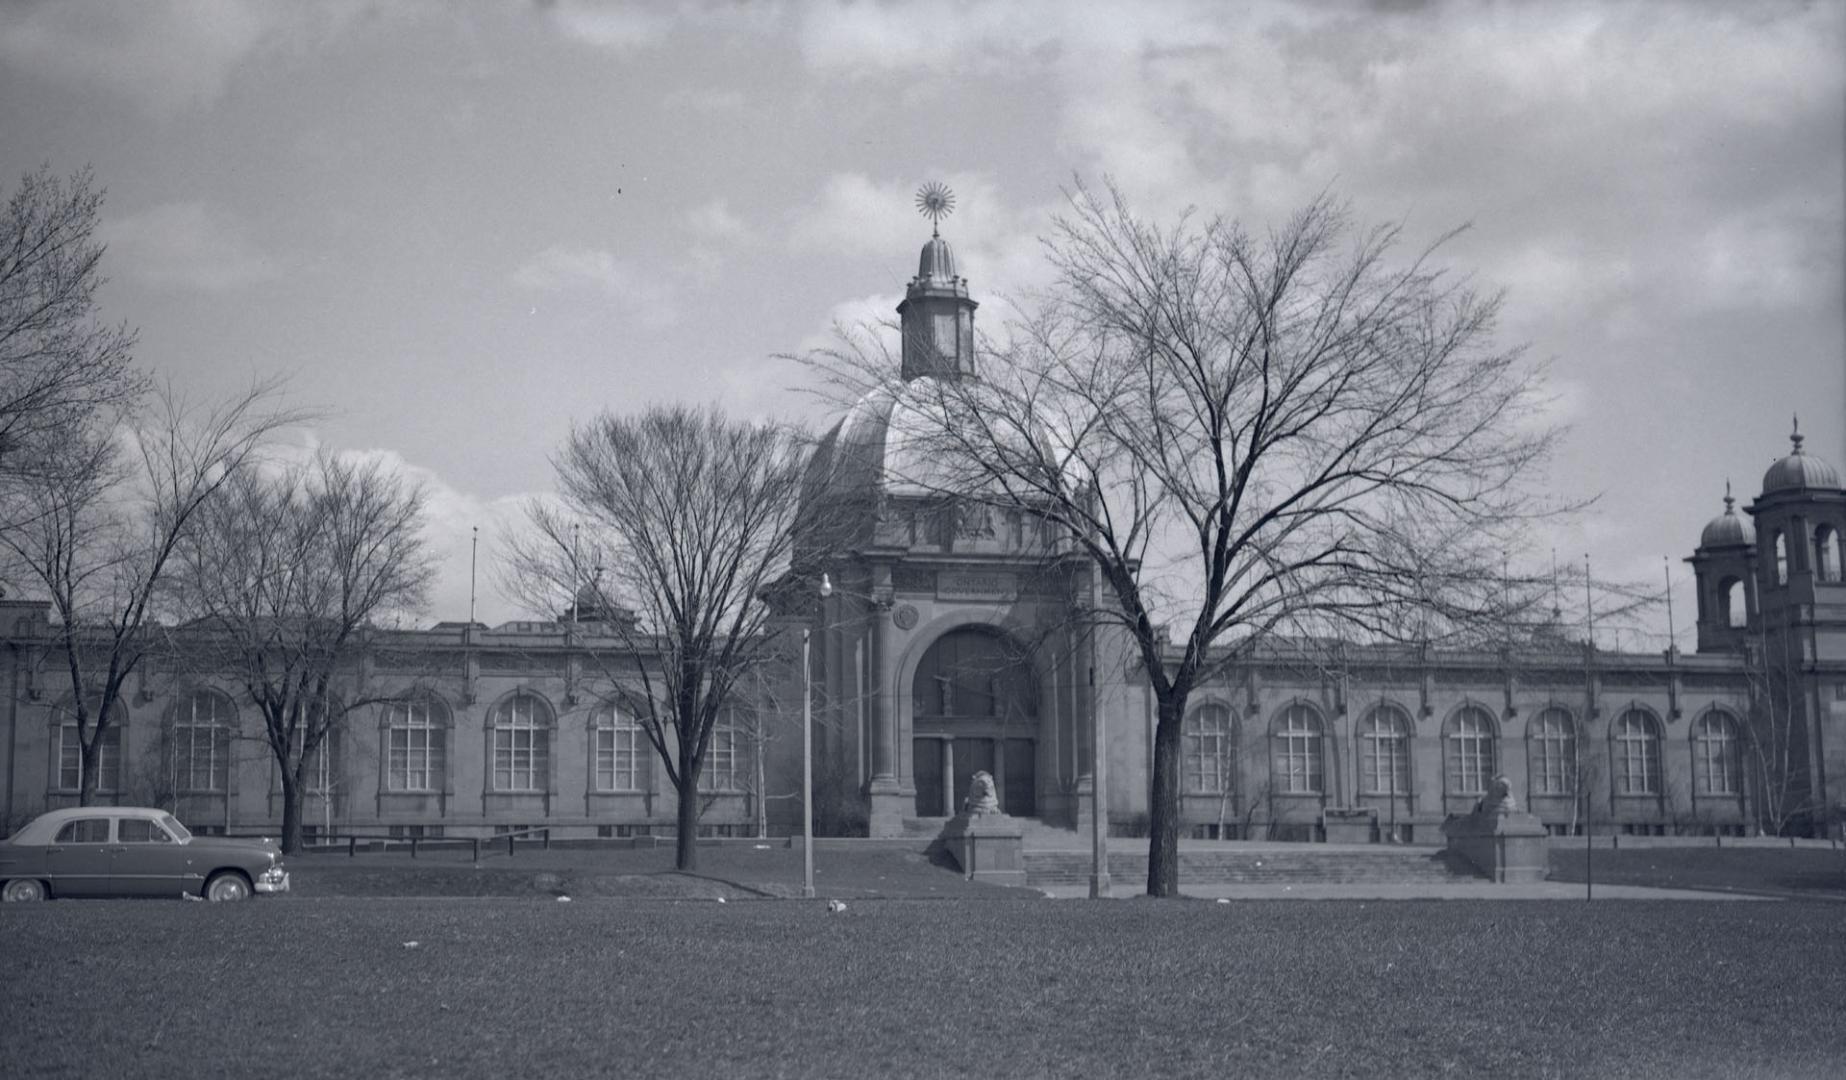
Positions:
(411, 944)
(563, 899)
(836, 906)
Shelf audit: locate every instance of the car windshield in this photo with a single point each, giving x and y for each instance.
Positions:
(174, 827)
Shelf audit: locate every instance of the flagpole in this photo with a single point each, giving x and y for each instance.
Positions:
(474, 551)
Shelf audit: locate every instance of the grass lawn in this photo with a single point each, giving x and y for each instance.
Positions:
(533, 987)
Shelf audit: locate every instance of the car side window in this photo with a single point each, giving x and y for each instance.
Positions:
(142, 831)
(90, 830)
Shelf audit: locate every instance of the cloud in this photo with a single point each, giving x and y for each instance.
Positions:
(618, 27)
(714, 221)
(560, 269)
(705, 99)
(166, 57)
(451, 514)
(995, 243)
(187, 245)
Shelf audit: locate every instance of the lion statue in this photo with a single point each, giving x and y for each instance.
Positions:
(981, 796)
(1499, 798)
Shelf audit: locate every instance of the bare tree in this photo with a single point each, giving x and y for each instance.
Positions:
(283, 581)
(691, 517)
(1248, 435)
(1776, 740)
(58, 363)
(104, 518)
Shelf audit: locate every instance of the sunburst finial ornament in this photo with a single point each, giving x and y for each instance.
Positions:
(935, 201)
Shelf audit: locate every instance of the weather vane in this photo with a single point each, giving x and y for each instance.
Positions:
(935, 201)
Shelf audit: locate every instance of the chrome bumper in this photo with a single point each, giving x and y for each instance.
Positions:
(272, 882)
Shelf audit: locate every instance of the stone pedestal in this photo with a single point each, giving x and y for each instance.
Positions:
(1503, 845)
(988, 847)
(1349, 825)
(887, 808)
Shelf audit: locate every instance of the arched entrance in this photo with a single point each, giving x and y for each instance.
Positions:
(974, 708)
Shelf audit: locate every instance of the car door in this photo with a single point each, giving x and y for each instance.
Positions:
(145, 859)
(77, 860)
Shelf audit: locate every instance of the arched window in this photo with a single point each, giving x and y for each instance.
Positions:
(416, 736)
(108, 752)
(1636, 746)
(1384, 752)
(1827, 553)
(321, 775)
(1780, 546)
(1733, 610)
(616, 749)
(1552, 750)
(720, 772)
(522, 743)
(1715, 763)
(1470, 751)
(202, 743)
(1300, 767)
(973, 672)
(1208, 737)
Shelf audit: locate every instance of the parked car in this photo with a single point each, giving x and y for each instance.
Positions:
(132, 851)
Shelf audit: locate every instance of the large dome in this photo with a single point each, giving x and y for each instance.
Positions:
(884, 445)
(1799, 471)
(1727, 529)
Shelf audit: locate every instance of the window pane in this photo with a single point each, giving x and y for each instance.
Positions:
(413, 760)
(141, 831)
(1554, 754)
(1470, 753)
(85, 831)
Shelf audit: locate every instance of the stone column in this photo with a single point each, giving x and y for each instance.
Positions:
(885, 791)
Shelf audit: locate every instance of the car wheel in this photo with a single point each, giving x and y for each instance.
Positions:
(227, 885)
(23, 891)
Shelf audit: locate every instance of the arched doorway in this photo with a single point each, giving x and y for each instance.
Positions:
(975, 708)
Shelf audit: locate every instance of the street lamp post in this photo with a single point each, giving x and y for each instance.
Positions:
(807, 755)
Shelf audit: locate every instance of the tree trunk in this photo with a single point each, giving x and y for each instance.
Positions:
(291, 813)
(1163, 813)
(686, 850)
(89, 770)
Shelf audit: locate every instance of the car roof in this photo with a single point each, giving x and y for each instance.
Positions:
(41, 829)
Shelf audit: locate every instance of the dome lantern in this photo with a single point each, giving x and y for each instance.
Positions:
(937, 314)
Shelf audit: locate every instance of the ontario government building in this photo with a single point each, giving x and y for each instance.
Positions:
(949, 646)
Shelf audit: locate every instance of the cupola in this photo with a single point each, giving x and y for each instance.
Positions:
(1799, 471)
(1728, 529)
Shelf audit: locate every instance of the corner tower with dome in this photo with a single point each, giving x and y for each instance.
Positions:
(1772, 592)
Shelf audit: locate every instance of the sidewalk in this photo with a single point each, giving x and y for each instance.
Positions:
(1459, 890)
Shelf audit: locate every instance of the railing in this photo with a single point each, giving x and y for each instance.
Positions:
(475, 843)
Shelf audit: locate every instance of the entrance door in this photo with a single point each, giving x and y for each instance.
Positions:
(1018, 788)
(926, 769)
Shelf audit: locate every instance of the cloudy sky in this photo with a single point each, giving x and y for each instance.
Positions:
(460, 227)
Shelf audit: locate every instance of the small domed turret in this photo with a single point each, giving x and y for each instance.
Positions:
(1727, 529)
(1799, 470)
